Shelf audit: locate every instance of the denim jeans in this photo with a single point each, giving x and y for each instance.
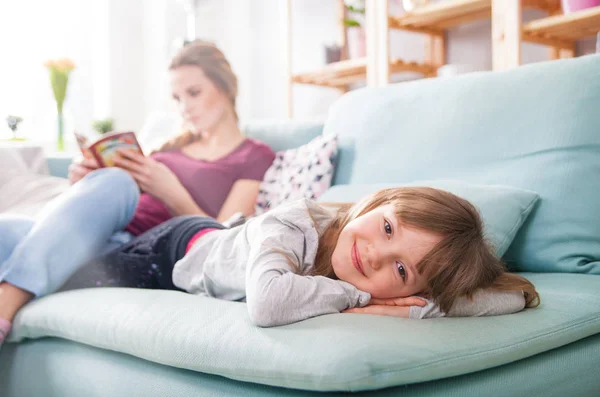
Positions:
(147, 261)
(83, 223)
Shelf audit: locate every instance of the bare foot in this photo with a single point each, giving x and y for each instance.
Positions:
(11, 300)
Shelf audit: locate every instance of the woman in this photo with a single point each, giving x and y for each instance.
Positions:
(211, 169)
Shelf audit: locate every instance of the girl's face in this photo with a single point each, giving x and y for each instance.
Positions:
(378, 255)
(201, 105)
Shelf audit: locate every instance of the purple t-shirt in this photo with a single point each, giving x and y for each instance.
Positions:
(208, 182)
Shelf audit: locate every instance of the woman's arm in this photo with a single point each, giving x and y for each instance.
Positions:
(80, 167)
(241, 198)
(180, 202)
(158, 180)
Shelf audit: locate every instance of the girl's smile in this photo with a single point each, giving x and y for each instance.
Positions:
(356, 260)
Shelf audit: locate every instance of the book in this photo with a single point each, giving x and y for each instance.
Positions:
(104, 149)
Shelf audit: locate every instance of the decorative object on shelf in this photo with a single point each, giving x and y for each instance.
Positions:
(570, 6)
(333, 53)
(59, 71)
(411, 5)
(454, 69)
(103, 126)
(13, 123)
(357, 47)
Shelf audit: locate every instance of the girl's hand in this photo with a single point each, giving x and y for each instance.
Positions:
(407, 301)
(80, 168)
(151, 176)
(395, 307)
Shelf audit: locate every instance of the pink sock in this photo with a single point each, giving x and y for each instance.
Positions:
(5, 326)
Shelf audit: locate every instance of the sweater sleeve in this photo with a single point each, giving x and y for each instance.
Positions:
(484, 303)
(277, 295)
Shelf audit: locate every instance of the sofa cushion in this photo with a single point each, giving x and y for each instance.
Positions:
(534, 127)
(333, 352)
(303, 172)
(282, 135)
(503, 208)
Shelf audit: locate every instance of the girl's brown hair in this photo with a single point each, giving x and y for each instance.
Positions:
(215, 66)
(460, 264)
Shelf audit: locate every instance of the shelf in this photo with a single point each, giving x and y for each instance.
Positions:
(437, 17)
(340, 74)
(562, 30)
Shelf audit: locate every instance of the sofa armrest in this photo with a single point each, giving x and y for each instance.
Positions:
(58, 163)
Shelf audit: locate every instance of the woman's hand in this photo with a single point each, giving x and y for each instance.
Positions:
(151, 176)
(395, 307)
(80, 168)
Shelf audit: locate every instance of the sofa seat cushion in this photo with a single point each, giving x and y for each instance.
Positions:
(347, 352)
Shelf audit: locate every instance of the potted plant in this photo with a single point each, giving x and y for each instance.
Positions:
(103, 126)
(13, 124)
(356, 34)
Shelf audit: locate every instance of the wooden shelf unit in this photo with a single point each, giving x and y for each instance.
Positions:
(433, 19)
(557, 31)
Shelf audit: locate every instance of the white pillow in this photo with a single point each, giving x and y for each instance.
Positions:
(304, 172)
(28, 193)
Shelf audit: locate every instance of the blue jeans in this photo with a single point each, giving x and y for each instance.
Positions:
(82, 224)
(147, 261)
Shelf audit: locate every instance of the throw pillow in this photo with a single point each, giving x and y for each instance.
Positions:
(304, 172)
(503, 208)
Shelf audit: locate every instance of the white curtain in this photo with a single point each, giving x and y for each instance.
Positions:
(31, 32)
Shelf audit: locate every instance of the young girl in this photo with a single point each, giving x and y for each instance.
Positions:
(306, 259)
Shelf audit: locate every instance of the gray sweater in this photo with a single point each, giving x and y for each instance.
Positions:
(251, 262)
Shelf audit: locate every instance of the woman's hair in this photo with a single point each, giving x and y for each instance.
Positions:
(460, 264)
(215, 66)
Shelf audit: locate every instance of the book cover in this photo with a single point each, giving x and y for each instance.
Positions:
(104, 150)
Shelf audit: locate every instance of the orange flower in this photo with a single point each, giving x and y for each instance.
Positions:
(59, 71)
(63, 65)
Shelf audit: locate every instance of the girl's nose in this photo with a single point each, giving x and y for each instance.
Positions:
(373, 256)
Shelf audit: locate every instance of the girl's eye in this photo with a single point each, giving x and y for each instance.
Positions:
(401, 270)
(194, 93)
(175, 98)
(387, 227)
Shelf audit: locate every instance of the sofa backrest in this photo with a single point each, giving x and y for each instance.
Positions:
(282, 134)
(536, 127)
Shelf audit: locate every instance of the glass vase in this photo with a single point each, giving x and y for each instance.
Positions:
(60, 129)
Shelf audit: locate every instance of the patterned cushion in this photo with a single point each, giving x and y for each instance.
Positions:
(304, 172)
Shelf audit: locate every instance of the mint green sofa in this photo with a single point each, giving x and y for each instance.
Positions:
(536, 128)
